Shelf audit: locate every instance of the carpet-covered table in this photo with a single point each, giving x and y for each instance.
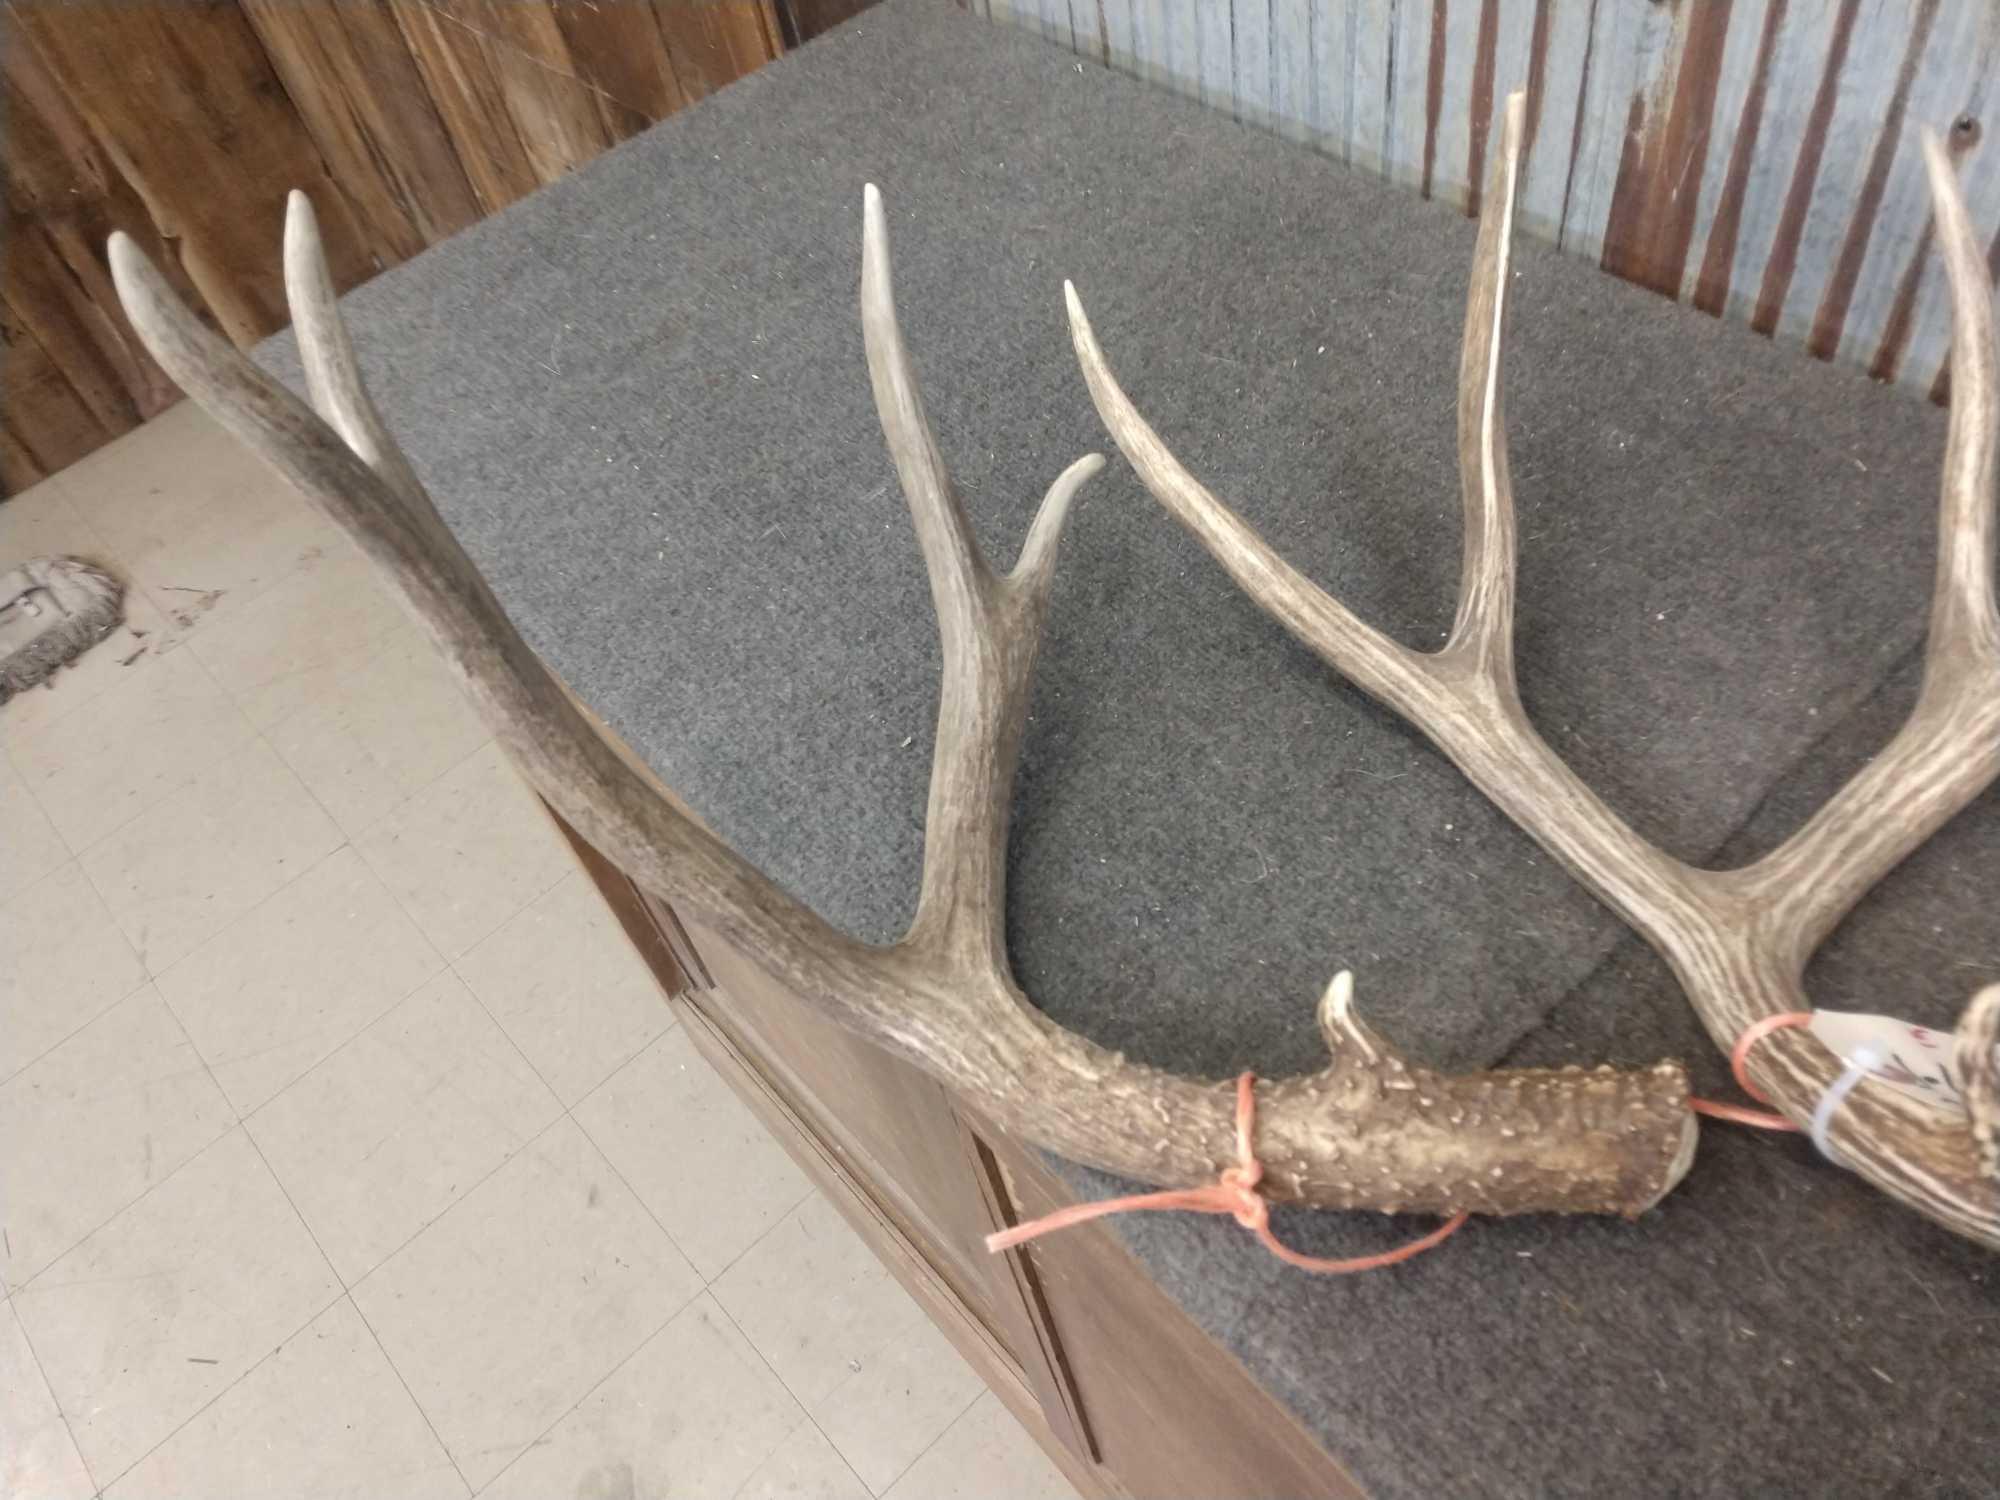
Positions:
(639, 397)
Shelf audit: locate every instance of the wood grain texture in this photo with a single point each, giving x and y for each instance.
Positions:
(184, 123)
(715, 41)
(151, 79)
(31, 383)
(1755, 157)
(352, 79)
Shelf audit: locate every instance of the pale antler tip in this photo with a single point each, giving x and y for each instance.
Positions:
(1079, 324)
(1342, 1028)
(129, 269)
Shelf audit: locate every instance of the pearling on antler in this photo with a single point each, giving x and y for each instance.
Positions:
(1738, 940)
(1367, 1131)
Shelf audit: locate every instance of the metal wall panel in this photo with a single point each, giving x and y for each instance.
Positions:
(1757, 158)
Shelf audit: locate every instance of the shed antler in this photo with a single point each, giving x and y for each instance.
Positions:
(1367, 1131)
(1738, 940)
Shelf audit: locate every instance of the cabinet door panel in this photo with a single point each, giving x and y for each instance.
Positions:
(895, 1125)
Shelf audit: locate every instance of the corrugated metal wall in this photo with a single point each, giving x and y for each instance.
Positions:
(1757, 158)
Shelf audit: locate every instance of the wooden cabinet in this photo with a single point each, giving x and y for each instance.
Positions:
(1113, 1379)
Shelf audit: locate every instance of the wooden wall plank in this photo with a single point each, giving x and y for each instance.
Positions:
(184, 122)
(151, 80)
(49, 304)
(349, 72)
(48, 425)
(714, 42)
(619, 51)
(470, 102)
(559, 119)
(61, 189)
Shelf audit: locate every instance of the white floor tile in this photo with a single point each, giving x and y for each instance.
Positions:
(63, 961)
(324, 1416)
(984, 1454)
(378, 731)
(693, 1152)
(468, 851)
(112, 661)
(194, 517)
(31, 845)
(525, 1294)
(296, 976)
(816, 1302)
(693, 1413)
(289, 646)
(897, 1403)
(562, 978)
(175, 805)
(38, 1461)
(805, 1467)
(398, 1125)
(181, 872)
(152, 732)
(164, 1308)
(94, 1124)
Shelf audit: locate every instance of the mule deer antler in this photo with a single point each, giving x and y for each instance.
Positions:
(1738, 940)
(1367, 1131)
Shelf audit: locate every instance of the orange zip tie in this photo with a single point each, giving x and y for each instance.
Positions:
(1754, 1033)
(1234, 1193)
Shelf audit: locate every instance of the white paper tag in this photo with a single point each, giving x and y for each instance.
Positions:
(1913, 1059)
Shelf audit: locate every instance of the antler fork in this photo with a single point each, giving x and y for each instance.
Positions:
(1367, 1131)
(1738, 940)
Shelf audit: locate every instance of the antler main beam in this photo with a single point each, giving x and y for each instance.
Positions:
(1367, 1131)
(1737, 940)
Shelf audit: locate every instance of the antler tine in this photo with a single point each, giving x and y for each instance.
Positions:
(1483, 632)
(951, 556)
(1965, 620)
(1376, 664)
(1949, 749)
(333, 377)
(990, 628)
(1737, 940)
(582, 774)
(1463, 696)
(1368, 1131)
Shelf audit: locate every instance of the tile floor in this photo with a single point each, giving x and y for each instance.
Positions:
(345, 1147)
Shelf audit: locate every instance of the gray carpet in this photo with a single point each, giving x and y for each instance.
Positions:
(640, 398)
